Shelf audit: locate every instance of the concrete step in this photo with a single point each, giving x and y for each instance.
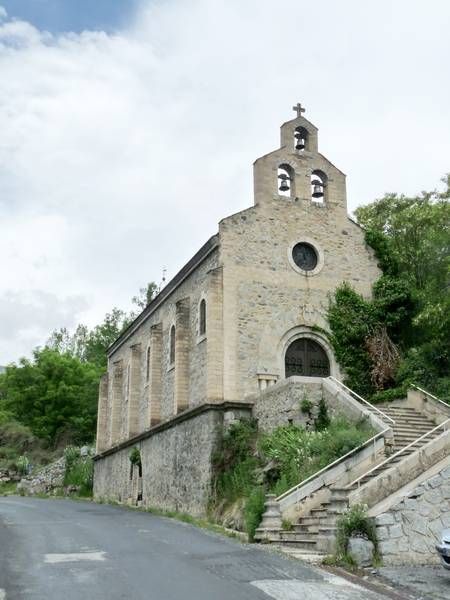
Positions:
(296, 536)
(309, 545)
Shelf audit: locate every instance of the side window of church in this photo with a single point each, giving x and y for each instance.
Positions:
(147, 372)
(202, 318)
(172, 345)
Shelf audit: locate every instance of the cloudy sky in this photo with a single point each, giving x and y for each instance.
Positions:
(128, 128)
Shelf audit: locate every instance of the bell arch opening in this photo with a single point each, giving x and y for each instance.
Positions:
(306, 357)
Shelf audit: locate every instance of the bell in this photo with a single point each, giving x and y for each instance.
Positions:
(300, 144)
(317, 188)
(284, 186)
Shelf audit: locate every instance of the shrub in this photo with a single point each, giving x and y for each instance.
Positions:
(253, 511)
(306, 406)
(22, 465)
(79, 471)
(354, 522)
(135, 456)
(235, 464)
(322, 420)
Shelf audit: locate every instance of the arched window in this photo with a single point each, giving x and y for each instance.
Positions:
(147, 370)
(300, 139)
(172, 345)
(318, 186)
(202, 317)
(286, 181)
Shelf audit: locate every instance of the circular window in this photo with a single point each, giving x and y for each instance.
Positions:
(305, 256)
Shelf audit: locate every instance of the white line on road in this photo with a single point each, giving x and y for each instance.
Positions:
(73, 557)
(329, 588)
(2, 594)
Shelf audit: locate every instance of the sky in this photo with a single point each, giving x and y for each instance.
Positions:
(128, 129)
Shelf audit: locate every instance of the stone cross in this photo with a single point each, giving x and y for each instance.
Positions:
(299, 109)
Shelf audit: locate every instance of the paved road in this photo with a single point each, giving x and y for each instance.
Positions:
(65, 550)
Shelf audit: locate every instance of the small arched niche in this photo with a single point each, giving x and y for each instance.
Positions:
(286, 181)
(301, 139)
(319, 182)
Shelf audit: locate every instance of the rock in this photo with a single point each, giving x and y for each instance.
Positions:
(361, 551)
(385, 519)
(49, 477)
(85, 451)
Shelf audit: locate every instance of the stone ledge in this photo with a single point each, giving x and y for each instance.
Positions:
(184, 416)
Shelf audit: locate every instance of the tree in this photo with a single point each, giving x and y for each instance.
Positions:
(404, 332)
(146, 295)
(53, 394)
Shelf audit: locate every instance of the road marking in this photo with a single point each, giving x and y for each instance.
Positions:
(329, 588)
(2, 595)
(73, 557)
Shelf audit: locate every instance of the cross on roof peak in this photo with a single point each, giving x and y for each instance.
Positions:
(298, 109)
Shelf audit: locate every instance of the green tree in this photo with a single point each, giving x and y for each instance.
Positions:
(146, 295)
(411, 300)
(53, 394)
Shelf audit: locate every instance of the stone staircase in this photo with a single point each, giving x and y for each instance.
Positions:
(408, 425)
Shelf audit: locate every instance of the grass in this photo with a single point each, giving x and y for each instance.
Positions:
(8, 488)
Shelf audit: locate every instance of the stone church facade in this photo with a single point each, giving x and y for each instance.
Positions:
(246, 312)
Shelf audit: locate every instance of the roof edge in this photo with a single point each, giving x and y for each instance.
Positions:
(173, 284)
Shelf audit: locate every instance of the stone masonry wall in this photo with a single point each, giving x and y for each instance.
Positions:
(193, 288)
(266, 300)
(280, 404)
(176, 461)
(409, 530)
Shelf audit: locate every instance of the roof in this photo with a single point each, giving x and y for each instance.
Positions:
(182, 274)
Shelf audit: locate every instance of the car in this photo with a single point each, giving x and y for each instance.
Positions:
(443, 548)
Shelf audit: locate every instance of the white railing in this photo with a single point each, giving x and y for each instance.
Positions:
(444, 426)
(329, 467)
(447, 406)
(361, 399)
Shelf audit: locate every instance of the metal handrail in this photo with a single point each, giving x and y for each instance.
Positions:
(371, 440)
(442, 425)
(361, 399)
(447, 406)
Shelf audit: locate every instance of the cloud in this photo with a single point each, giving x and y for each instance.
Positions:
(119, 153)
(28, 318)
(3, 13)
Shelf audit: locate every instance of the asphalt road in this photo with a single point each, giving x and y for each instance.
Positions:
(65, 550)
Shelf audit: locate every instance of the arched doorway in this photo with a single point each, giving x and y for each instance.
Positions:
(306, 357)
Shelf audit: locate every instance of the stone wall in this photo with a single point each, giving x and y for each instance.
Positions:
(190, 291)
(266, 300)
(409, 530)
(176, 461)
(280, 403)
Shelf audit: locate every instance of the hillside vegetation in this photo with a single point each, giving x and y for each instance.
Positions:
(49, 402)
(402, 336)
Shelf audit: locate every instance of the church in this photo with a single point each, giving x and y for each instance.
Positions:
(245, 315)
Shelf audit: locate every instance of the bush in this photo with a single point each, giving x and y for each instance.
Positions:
(253, 511)
(300, 453)
(135, 456)
(354, 522)
(235, 464)
(22, 465)
(79, 471)
(322, 420)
